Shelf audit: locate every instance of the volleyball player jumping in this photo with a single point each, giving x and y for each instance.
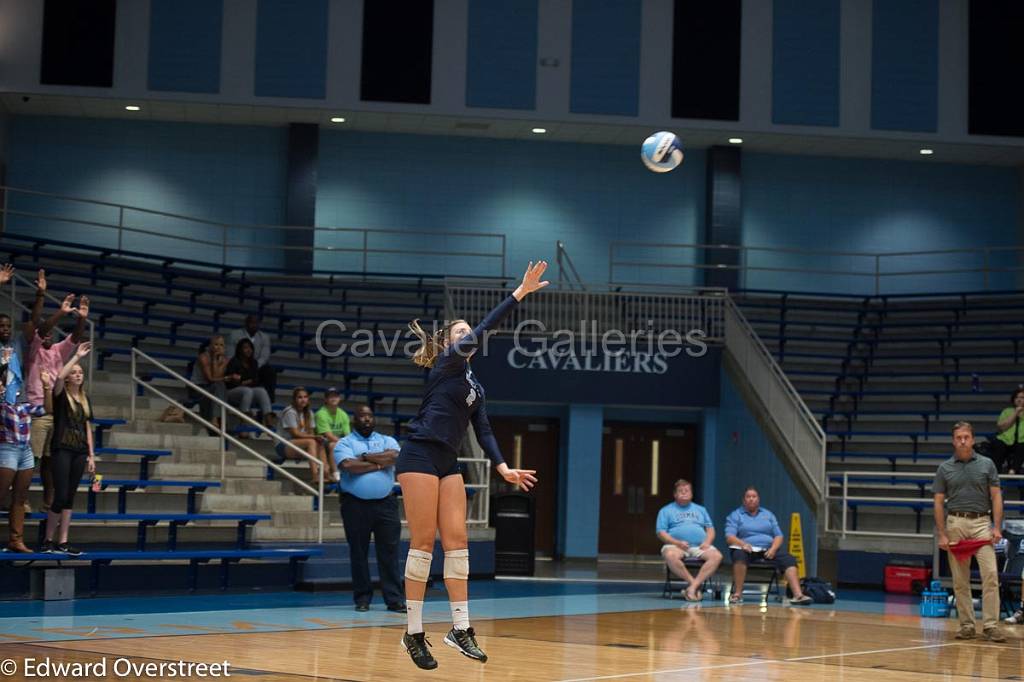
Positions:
(427, 467)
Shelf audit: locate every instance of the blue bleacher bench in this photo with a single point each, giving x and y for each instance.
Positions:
(174, 520)
(146, 455)
(125, 486)
(193, 556)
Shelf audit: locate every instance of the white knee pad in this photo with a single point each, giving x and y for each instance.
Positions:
(417, 565)
(456, 564)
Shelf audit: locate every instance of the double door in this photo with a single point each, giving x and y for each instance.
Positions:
(639, 465)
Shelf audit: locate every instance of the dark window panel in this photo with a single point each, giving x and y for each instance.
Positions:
(398, 41)
(78, 43)
(706, 60)
(996, 55)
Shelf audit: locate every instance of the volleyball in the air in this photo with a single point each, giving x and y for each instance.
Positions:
(662, 152)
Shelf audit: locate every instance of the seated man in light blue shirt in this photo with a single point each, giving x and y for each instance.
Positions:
(366, 460)
(686, 530)
(753, 531)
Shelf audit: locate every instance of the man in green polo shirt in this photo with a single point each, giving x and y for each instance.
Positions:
(969, 506)
(332, 421)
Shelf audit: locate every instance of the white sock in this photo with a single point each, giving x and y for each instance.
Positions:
(414, 613)
(460, 615)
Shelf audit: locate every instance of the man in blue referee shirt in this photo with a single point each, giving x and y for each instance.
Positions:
(366, 460)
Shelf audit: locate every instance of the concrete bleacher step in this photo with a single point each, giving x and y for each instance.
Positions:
(216, 501)
(197, 471)
(125, 439)
(246, 486)
(271, 533)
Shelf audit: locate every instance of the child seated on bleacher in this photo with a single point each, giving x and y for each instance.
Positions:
(298, 426)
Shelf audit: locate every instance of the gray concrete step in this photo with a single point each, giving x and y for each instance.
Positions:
(215, 502)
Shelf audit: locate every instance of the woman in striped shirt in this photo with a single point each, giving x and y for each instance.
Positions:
(16, 461)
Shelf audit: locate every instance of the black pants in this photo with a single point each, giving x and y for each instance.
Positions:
(67, 470)
(1007, 457)
(267, 378)
(380, 517)
(206, 410)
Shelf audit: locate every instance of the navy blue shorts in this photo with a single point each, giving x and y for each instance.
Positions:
(427, 457)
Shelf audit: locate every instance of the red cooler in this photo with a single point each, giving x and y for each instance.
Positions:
(906, 576)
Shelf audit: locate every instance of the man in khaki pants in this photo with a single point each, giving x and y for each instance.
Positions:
(968, 485)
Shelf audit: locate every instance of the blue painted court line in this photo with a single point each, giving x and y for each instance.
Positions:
(231, 614)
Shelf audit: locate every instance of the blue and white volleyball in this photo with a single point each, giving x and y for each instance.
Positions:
(662, 152)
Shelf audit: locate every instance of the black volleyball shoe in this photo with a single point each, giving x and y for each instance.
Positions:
(416, 646)
(465, 642)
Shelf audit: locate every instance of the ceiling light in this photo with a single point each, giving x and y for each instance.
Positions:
(338, 119)
(735, 140)
(540, 131)
(132, 107)
(927, 152)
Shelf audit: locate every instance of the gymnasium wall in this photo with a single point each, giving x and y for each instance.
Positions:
(871, 205)
(218, 173)
(533, 192)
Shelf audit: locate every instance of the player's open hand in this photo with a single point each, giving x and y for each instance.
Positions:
(532, 279)
(523, 479)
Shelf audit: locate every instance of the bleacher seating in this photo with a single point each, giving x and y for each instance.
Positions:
(167, 307)
(887, 377)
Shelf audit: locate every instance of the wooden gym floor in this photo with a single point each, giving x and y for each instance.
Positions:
(680, 642)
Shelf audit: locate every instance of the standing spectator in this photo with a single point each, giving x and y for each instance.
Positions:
(14, 342)
(72, 446)
(753, 532)
(15, 389)
(368, 505)
(297, 425)
(243, 382)
(16, 462)
(46, 356)
(969, 507)
(261, 352)
(1008, 446)
(686, 531)
(332, 423)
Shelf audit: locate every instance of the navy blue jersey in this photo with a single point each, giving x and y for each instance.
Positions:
(453, 396)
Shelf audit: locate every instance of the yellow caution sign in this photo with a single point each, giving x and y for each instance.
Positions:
(796, 543)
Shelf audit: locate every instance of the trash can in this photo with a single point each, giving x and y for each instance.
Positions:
(512, 517)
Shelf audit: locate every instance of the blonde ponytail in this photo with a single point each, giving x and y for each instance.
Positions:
(431, 345)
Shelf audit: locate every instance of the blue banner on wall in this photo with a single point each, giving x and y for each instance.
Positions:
(584, 372)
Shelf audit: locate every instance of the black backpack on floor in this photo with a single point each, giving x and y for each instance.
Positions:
(818, 590)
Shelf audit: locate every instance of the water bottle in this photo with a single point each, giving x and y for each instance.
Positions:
(975, 383)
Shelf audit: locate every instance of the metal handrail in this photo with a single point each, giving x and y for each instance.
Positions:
(91, 361)
(845, 498)
(567, 272)
(602, 310)
(224, 241)
(874, 260)
(740, 338)
(226, 408)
